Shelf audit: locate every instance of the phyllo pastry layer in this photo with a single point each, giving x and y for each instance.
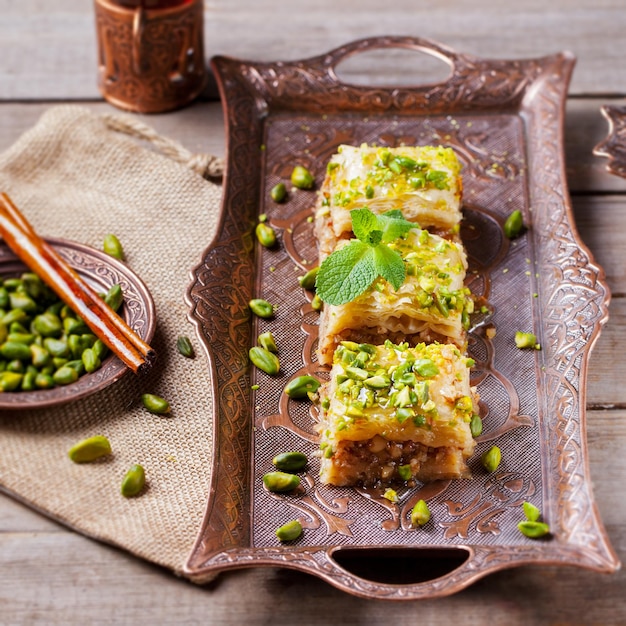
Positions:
(424, 182)
(431, 305)
(396, 413)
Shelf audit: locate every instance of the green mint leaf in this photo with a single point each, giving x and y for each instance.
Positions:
(389, 264)
(363, 223)
(346, 273)
(394, 226)
(374, 238)
(394, 213)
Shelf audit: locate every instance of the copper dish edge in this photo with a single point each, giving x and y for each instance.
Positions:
(570, 313)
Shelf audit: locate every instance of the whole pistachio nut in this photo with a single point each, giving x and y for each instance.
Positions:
(278, 193)
(289, 531)
(134, 481)
(491, 459)
(112, 246)
(514, 224)
(155, 404)
(114, 297)
(302, 178)
(290, 461)
(280, 481)
(183, 344)
(261, 308)
(265, 360)
(308, 280)
(301, 386)
(265, 235)
(420, 514)
(90, 449)
(533, 529)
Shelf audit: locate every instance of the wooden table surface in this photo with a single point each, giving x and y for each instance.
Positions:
(51, 575)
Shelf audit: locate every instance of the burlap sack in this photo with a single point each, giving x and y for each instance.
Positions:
(76, 176)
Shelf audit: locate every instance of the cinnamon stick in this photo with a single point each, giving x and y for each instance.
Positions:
(44, 260)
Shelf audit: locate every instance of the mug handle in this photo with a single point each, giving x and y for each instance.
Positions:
(139, 21)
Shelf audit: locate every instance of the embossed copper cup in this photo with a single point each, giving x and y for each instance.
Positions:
(150, 53)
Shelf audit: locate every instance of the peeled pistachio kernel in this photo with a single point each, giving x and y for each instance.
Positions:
(531, 512)
(73, 326)
(134, 481)
(289, 531)
(90, 449)
(15, 366)
(301, 386)
(476, 425)
(44, 381)
(65, 375)
(11, 350)
(264, 360)
(404, 471)
(308, 280)
(267, 341)
(28, 381)
(280, 481)
(533, 530)
(316, 303)
(183, 344)
(26, 338)
(420, 514)
(23, 302)
(90, 360)
(56, 347)
(155, 404)
(491, 459)
(100, 349)
(302, 178)
(290, 461)
(278, 193)
(48, 325)
(75, 346)
(10, 381)
(261, 308)
(265, 235)
(112, 246)
(514, 224)
(114, 297)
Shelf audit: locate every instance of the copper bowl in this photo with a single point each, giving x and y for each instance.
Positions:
(101, 271)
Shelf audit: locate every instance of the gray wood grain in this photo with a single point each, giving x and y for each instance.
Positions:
(49, 51)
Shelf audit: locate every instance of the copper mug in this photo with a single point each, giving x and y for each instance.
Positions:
(150, 53)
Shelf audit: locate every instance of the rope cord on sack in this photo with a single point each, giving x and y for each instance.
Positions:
(207, 165)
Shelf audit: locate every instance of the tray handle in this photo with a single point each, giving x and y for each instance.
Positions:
(329, 62)
(405, 573)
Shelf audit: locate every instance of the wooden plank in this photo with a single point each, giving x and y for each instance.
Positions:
(51, 54)
(67, 579)
(200, 128)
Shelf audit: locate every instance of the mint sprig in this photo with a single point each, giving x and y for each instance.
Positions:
(350, 270)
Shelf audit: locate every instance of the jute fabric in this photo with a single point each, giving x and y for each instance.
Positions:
(79, 176)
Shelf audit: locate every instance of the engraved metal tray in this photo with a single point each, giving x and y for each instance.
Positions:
(504, 120)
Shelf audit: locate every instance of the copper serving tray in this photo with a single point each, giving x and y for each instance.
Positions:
(504, 119)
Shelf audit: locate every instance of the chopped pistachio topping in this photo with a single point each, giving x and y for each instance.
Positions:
(388, 173)
(402, 384)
